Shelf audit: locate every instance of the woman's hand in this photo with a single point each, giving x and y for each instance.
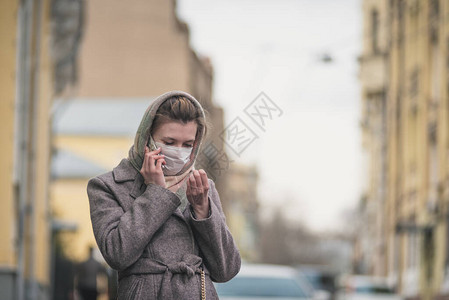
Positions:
(197, 189)
(152, 167)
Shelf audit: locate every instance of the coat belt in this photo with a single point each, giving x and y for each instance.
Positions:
(189, 265)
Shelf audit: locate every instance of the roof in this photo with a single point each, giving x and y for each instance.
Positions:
(92, 117)
(99, 116)
(66, 164)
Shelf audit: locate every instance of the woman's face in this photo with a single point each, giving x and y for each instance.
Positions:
(176, 134)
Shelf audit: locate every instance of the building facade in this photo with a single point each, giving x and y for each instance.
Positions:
(26, 91)
(373, 75)
(404, 74)
(88, 141)
(243, 209)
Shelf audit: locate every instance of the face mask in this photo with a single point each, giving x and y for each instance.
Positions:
(175, 158)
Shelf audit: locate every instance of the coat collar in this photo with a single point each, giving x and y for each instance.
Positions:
(124, 171)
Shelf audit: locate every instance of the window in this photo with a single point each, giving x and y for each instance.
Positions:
(375, 30)
(434, 19)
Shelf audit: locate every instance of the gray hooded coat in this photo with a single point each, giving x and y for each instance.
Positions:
(158, 249)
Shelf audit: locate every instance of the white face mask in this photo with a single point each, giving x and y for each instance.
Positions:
(175, 158)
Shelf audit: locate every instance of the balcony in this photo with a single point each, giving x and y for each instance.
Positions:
(373, 73)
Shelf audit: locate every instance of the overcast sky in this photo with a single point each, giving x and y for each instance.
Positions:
(309, 158)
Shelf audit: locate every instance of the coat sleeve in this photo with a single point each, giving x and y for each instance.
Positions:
(215, 241)
(123, 236)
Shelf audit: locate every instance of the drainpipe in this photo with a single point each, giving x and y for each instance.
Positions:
(34, 97)
(23, 102)
(29, 27)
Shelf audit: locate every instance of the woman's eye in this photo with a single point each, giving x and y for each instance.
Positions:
(188, 145)
(167, 143)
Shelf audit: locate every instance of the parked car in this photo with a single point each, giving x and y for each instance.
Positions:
(321, 278)
(258, 281)
(358, 287)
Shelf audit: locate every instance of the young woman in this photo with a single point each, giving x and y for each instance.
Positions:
(156, 219)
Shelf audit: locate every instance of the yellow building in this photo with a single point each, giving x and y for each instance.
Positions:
(243, 209)
(89, 140)
(8, 217)
(26, 90)
(373, 61)
(404, 76)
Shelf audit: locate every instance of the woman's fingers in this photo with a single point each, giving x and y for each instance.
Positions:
(205, 182)
(159, 162)
(156, 151)
(192, 182)
(152, 167)
(197, 190)
(148, 154)
(150, 162)
(146, 160)
(198, 183)
(147, 157)
(188, 191)
(152, 158)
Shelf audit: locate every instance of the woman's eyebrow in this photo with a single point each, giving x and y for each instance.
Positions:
(172, 139)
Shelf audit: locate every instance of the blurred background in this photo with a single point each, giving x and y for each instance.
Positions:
(329, 143)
